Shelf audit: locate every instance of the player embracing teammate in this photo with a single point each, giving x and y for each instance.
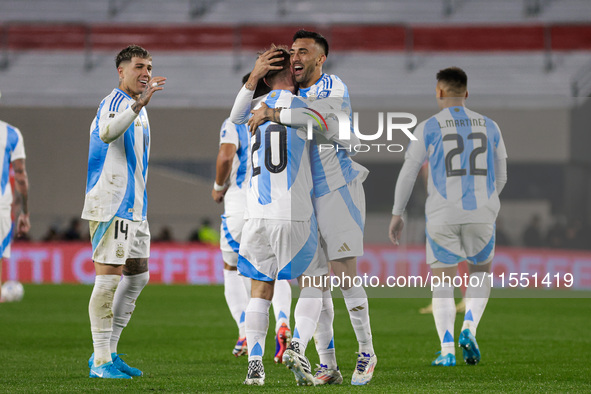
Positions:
(339, 206)
(230, 187)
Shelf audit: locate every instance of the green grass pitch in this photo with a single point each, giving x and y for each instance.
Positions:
(182, 337)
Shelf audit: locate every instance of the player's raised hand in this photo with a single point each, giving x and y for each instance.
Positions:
(259, 116)
(263, 65)
(155, 84)
(395, 230)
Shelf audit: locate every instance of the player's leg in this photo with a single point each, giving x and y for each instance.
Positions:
(324, 335)
(257, 261)
(306, 314)
(358, 308)
(328, 371)
(444, 313)
(444, 252)
(460, 306)
(462, 270)
(300, 260)
(136, 276)
(344, 209)
(101, 321)
(6, 228)
(257, 325)
(477, 295)
(236, 287)
(237, 297)
(479, 242)
(282, 310)
(356, 301)
(109, 255)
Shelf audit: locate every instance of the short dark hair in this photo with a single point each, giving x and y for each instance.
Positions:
(455, 78)
(131, 51)
(261, 88)
(318, 38)
(285, 63)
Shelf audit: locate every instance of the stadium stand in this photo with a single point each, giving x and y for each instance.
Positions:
(328, 11)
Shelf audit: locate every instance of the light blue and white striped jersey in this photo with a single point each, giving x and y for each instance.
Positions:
(12, 148)
(235, 197)
(117, 172)
(331, 169)
(461, 146)
(281, 181)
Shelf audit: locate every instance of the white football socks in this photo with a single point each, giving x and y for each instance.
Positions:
(307, 312)
(100, 310)
(257, 324)
(358, 307)
(124, 301)
(281, 303)
(324, 335)
(476, 299)
(444, 313)
(237, 298)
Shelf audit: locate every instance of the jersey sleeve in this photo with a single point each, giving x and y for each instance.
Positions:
(242, 105)
(417, 150)
(115, 117)
(500, 150)
(19, 149)
(334, 87)
(229, 134)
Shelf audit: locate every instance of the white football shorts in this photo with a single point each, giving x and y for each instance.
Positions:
(273, 249)
(448, 245)
(6, 230)
(341, 220)
(117, 240)
(231, 233)
(319, 266)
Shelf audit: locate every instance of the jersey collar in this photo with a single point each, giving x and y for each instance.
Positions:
(303, 92)
(122, 92)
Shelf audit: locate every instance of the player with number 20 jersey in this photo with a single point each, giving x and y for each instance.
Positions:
(279, 204)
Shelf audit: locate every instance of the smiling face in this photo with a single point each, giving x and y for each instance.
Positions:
(134, 75)
(307, 58)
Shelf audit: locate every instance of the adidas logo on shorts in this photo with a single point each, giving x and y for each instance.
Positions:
(344, 248)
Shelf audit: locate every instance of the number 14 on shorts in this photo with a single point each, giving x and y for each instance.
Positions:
(121, 227)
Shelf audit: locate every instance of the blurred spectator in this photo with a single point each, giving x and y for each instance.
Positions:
(577, 235)
(585, 236)
(556, 237)
(165, 235)
(205, 234)
(51, 235)
(532, 236)
(73, 233)
(501, 237)
(572, 232)
(22, 238)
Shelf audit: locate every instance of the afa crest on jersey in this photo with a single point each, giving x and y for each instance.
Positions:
(323, 94)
